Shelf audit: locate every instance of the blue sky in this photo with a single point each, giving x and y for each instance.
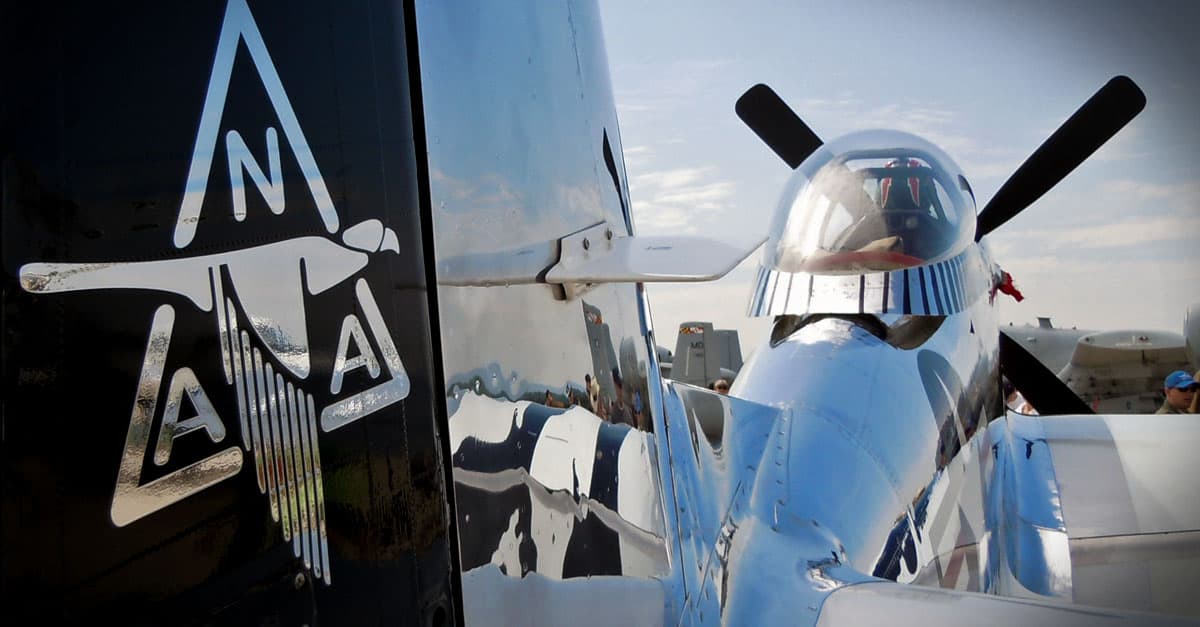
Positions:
(1115, 245)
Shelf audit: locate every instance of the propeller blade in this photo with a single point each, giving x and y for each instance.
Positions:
(1045, 391)
(776, 124)
(1105, 113)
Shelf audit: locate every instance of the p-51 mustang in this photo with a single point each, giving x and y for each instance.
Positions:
(333, 314)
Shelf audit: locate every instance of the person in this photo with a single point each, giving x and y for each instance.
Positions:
(593, 390)
(619, 411)
(1015, 400)
(720, 386)
(1180, 390)
(1194, 408)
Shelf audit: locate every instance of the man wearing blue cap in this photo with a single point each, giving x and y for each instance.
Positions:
(1180, 389)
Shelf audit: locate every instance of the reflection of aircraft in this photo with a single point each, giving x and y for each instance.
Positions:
(479, 145)
(703, 355)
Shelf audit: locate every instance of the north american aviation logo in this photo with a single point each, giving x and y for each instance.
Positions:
(266, 284)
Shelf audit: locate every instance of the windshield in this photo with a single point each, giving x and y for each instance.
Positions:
(871, 201)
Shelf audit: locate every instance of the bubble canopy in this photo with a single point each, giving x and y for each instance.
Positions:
(871, 201)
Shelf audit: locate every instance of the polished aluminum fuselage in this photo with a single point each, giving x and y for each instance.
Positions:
(590, 490)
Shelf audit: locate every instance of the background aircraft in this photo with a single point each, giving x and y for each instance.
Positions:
(336, 315)
(703, 355)
(1113, 371)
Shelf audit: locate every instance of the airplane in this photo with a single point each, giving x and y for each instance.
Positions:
(886, 354)
(705, 354)
(1050, 344)
(336, 315)
(1113, 371)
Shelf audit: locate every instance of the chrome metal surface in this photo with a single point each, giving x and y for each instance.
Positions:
(881, 603)
(642, 259)
(1144, 572)
(1024, 514)
(938, 289)
(1155, 456)
(596, 255)
(549, 485)
(883, 465)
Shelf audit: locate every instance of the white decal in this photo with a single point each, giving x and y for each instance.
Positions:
(257, 296)
(132, 499)
(240, 159)
(238, 26)
(184, 380)
(369, 401)
(352, 329)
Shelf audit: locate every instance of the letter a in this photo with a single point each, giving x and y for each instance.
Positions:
(352, 328)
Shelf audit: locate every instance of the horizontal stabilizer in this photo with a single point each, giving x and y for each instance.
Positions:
(591, 256)
(597, 255)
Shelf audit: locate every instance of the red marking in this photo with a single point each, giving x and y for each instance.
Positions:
(854, 258)
(1006, 286)
(914, 183)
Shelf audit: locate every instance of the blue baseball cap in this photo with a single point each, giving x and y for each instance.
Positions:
(1179, 379)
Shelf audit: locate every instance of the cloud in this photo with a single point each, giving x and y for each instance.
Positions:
(668, 178)
(1132, 232)
(1140, 190)
(679, 200)
(637, 157)
(1126, 146)
(843, 102)
(709, 196)
(1114, 213)
(943, 127)
(664, 89)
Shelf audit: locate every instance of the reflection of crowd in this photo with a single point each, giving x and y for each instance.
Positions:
(625, 406)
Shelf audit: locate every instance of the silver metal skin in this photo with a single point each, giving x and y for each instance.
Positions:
(864, 446)
(544, 522)
(893, 459)
(867, 453)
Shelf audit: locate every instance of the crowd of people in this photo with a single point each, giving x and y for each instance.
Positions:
(1179, 395)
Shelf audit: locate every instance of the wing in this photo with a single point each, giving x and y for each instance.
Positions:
(1131, 507)
(898, 604)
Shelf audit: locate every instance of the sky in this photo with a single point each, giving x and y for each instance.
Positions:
(1114, 245)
